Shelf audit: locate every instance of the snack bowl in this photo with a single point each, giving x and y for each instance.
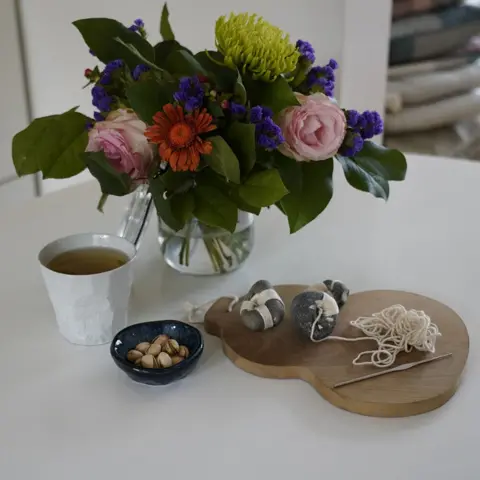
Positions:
(129, 337)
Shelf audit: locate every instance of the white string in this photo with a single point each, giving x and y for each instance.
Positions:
(258, 303)
(328, 308)
(193, 310)
(395, 329)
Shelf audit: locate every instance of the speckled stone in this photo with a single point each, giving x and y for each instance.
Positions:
(304, 311)
(338, 290)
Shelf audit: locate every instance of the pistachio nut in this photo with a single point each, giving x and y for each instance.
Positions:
(164, 360)
(133, 355)
(149, 361)
(183, 351)
(143, 347)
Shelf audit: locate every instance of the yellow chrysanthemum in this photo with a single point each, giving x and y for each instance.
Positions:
(249, 42)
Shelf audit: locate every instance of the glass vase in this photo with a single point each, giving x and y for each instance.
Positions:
(198, 249)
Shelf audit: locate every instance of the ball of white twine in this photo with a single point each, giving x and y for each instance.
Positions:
(395, 329)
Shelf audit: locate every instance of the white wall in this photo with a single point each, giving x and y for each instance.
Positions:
(13, 106)
(352, 31)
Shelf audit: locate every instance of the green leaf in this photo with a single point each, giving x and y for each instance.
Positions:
(53, 145)
(304, 205)
(182, 206)
(100, 35)
(276, 95)
(183, 62)
(164, 49)
(364, 180)
(215, 209)
(148, 97)
(165, 29)
(241, 137)
(24, 145)
(381, 161)
(289, 170)
(222, 159)
(241, 203)
(112, 182)
(263, 189)
(162, 205)
(102, 201)
(141, 59)
(239, 90)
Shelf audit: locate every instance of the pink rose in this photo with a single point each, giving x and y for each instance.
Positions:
(314, 130)
(121, 138)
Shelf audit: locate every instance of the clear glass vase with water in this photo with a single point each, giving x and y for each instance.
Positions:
(196, 249)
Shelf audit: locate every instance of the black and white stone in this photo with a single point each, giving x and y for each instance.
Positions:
(338, 290)
(314, 310)
(272, 309)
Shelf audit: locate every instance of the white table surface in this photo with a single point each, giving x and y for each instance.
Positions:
(68, 413)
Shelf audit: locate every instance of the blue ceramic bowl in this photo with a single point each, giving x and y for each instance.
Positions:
(131, 336)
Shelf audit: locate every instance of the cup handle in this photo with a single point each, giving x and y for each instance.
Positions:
(137, 216)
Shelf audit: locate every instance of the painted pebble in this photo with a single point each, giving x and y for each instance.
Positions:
(315, 314)
(338, 290)
(262, 307)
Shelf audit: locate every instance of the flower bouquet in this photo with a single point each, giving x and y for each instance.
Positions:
(211, 134)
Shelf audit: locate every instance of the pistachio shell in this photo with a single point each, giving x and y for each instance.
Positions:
(160, 339)
(149, 361)
(138, 361)
(176, 359)
(143, 347)
(183, 351)
(154, 349)
(164, 360)
(171, 347)
(133, 355)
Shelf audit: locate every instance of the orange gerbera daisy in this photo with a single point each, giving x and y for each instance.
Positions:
(177, 136)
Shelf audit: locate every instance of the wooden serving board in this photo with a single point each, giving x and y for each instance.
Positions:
(282, 352)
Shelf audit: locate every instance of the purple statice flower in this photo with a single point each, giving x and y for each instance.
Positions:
(88, 125)
(110, 67)
(268, 134)
(306, 51)
(352, 117)
(256, 114)
(190, 93)
(267, 112)
(113, 65)
(137, 25)
(352, 144)
(329, 88)
(323, 78)
(105, 79)
(237, 108)
(333, 64)
(368, 124)
(378, 123)
(98, 117)
(138, 70)
(101, 99)
(357, 143)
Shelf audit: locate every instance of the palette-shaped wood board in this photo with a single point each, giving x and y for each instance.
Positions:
(282, 352)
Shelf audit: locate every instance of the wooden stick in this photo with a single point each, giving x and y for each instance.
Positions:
(400, 368)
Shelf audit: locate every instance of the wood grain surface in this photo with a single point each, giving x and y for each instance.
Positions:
(282, 352)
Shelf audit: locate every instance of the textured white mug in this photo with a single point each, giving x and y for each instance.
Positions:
(90, 309)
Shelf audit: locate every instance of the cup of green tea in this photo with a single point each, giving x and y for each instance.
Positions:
(89, 280)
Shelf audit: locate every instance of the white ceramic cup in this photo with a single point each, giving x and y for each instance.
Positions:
(90, 309)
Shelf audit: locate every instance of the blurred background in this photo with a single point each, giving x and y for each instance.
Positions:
(413, 60)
